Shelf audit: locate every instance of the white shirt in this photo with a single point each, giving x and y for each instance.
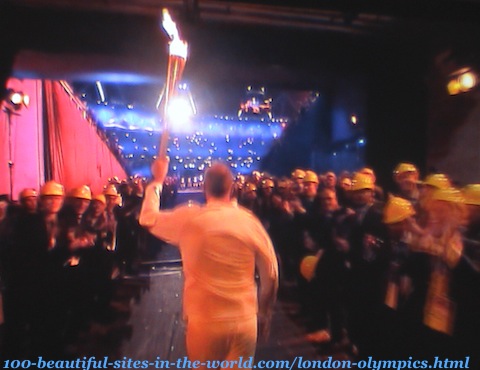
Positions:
(221, 245)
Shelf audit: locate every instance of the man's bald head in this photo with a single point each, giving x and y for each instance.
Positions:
(218, 181)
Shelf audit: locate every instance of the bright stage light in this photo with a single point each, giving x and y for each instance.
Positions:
(179, 111)
(461, 81)
(17, 99)
(467, 81)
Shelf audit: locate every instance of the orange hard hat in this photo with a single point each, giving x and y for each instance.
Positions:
(52, 188)
(361, 181)
(397, 209)
(82, 192)
(28, 192)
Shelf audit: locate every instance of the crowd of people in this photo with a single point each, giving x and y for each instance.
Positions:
(60, 253)
(389, 272)
(393, 272)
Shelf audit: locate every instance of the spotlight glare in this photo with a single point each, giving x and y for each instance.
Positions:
(462, 81)
(16, 98)
(179, 111)
(453, 87)
(467, 81)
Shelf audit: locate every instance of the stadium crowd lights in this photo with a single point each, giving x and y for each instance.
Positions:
(241, 144)
(193, 145)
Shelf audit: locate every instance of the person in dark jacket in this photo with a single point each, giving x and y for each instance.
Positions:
(368, 260)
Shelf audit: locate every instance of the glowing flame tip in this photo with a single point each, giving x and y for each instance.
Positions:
(169, 25)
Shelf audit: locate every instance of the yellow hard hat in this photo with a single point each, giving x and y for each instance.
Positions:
(362, 181)
(308, 266)
(268, 183)
(366, 171)
(298, 174)
(83, 192)
(452, 195)
(52, 188)
(111, 190)
(471, 194)
(250, 186)
(240, 178)
(114, 180)
(404, 167)
(283, 183)
(100, 198)
(310, 176)
(437, 180)
(397, 209)
(26, 193)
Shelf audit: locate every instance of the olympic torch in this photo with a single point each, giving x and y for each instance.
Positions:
(177, 56)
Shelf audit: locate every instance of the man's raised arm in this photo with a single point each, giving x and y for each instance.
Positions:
(165, 225)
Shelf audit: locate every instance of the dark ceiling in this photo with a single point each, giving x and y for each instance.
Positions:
(286, 43)
(391, 46)
(293, 45)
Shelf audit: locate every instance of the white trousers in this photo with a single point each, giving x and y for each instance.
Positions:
(222, 341)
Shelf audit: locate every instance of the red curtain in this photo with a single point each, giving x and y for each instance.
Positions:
(21, 138)
(77, 152)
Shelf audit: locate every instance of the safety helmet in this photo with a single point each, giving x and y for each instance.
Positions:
(114, 180)
(437, 180)
(250, 186)
(310, 176)
(362, 181)
(405, 167)
(111, 190)
(298, 174)
(268, 183)
(397, 209)
(283, 183)
(26, 193)
(100, 198)
(240, 179)
(471, 194)
(52, 188)
(366, 171)
(308, 266)
(82, 192)
(451, 194)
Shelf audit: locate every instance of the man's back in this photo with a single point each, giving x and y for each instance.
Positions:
(219, 247)
(222, 247)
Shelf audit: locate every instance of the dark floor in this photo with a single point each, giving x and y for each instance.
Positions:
(145, 320)
(148, 324)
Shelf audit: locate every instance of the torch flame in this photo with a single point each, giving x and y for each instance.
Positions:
(177, 46)
(176, 63)
(169, 25)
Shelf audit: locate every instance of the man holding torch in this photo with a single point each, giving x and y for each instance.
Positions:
(223, 248)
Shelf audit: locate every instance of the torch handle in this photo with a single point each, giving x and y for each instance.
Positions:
(162, 150)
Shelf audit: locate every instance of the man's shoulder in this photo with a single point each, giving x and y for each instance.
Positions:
(234, 212)
(189, 206)
(247, 213)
